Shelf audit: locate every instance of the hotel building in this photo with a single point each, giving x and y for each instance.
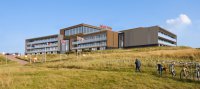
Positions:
(84, 37)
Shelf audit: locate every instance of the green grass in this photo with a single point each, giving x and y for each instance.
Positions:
(17, 77)
(109, 69)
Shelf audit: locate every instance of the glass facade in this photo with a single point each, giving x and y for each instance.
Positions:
(95, 37)
(91, 41)
(82, 29)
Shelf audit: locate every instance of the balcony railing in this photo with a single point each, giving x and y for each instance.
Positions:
(166, 43)
(90, 40)
(42, 46)
(90, 46)
(38, 51)
(42, 41)
(167, 37)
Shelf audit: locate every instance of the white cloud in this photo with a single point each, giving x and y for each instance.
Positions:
(186, 30)
(179, 25)
(183, 19)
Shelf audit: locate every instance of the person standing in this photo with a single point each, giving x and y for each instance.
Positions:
(138, 65)
(160, 69)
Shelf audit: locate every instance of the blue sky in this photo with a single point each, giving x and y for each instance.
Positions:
(21, 19)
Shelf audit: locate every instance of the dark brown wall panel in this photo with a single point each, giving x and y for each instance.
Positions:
(140, 36)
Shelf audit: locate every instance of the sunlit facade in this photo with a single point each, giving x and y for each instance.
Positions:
(92, 38)
(47, 44)
(84, 37)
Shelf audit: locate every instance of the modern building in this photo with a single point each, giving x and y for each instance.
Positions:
(47, 44)
(84, 37)
(146, 36)
(87, 37)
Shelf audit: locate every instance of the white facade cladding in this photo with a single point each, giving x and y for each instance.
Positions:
(49, 44)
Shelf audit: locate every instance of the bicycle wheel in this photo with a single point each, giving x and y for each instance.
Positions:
(198, 75)
(173, 73)
(194, 75)
(188, 75)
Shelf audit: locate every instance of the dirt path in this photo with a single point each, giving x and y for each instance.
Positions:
(12, 58)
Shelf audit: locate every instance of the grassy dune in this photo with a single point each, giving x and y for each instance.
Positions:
(109, 69)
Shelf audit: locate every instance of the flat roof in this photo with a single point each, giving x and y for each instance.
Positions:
(150, 27)
(43, 37)
(82, 24)
(166, 31)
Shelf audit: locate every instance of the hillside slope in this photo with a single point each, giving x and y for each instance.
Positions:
(109, 69)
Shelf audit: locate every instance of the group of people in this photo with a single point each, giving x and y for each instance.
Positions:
(161, 67)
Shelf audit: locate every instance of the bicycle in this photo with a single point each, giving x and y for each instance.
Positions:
(172, 69)
(184, 73)
(196, 74)
(173, 72)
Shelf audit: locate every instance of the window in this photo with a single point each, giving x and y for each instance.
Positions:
(75, 30)
(70, 32)
(67, 33)
(88, 30)
(84, 30)
(78, 31)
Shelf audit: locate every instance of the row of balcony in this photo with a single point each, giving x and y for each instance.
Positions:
(38, 51)
(96, 45)
(166, 43)
(167, 37)
(43, 41)
(42, 46)
(90, 40)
